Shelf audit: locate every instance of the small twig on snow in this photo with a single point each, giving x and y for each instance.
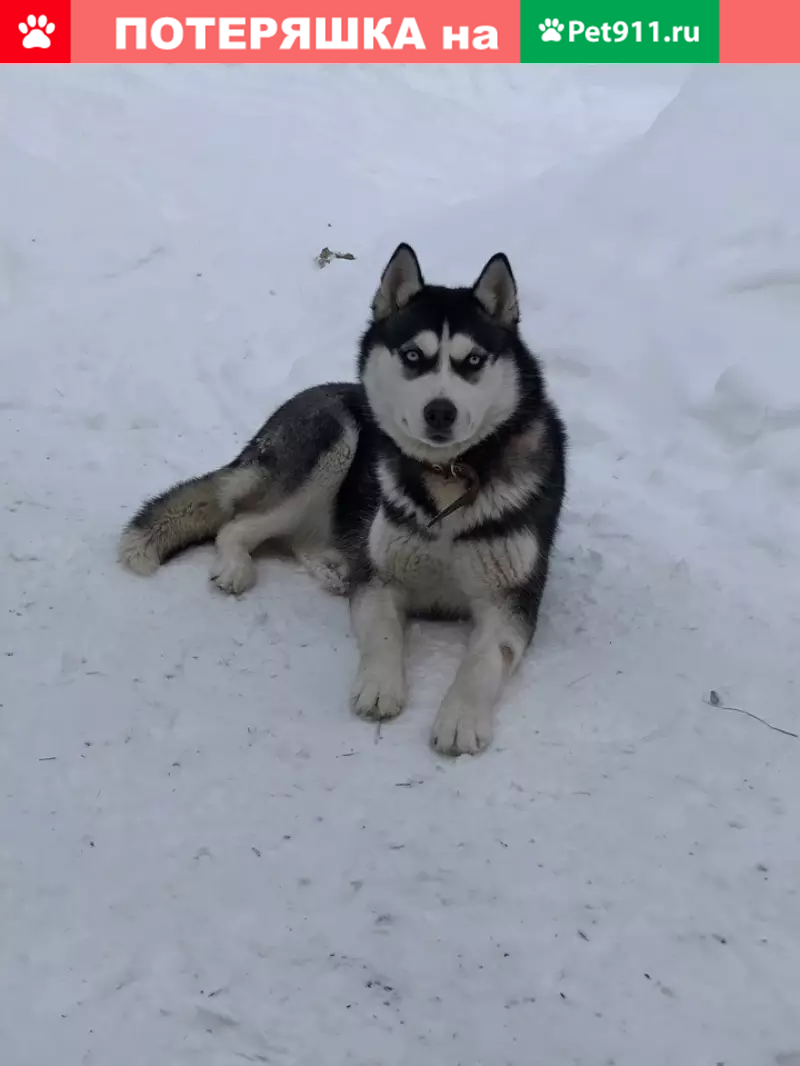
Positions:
(714, 701)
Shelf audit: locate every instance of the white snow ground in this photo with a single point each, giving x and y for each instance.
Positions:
(205, 859)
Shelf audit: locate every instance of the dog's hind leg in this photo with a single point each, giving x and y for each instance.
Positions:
(329, 569)
(233, 569)
(304, 455)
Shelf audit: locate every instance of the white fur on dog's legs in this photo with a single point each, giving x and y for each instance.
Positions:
(465, 722)
(379, 620)
(233, 570)
(328, 568)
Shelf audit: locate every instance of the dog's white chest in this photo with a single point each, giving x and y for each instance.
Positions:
(455, 566)
(449, 575)
(422, 568)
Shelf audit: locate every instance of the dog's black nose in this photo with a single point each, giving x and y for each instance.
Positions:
(440, 415)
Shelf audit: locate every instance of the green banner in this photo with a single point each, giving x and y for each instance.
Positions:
(620, 31)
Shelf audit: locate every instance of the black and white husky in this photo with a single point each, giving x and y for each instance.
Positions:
(432, 488)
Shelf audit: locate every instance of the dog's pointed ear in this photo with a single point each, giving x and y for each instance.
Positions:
(496, 290)
(401, 279)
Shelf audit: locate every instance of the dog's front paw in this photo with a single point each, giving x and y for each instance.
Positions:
(234, 576)
(462, 729)
(379, 691)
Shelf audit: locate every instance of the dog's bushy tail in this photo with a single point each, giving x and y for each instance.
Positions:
(191, 512)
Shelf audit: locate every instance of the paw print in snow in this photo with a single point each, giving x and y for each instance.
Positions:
(36, 36)
(551, 29)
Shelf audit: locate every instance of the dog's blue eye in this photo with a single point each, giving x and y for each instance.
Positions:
(411, 355)
(475, 360)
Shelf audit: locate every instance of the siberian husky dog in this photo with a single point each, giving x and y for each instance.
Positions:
(432, 488)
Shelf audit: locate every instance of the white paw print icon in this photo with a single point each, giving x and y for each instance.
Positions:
(551, 29)
(36, 36)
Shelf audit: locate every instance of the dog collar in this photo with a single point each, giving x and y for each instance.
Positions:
(459, 472)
